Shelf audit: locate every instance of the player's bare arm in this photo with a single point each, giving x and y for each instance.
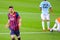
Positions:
(7, 25)
(20, 21)
(51, 10)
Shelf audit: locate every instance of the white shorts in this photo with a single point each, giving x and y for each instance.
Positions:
(45, 16)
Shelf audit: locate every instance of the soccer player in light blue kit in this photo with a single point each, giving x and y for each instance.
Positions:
(44, 7)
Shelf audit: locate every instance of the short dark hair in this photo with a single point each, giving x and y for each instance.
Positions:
(10, 6)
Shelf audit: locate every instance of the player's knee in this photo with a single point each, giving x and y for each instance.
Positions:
(18, 36)
(12, 36)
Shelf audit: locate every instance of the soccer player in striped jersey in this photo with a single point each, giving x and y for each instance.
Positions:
(14, 21)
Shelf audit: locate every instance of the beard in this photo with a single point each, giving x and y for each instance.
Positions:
(11, 11)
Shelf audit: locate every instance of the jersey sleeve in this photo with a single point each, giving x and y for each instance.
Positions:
(8, 16)
(17, 15)
(41, 4)
(50, 5)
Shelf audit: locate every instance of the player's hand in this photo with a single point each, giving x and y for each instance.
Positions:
(19, 24)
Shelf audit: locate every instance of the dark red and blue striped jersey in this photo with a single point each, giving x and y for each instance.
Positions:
(14, 21)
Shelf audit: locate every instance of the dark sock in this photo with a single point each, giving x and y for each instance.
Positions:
(13, 38)
(19, 39)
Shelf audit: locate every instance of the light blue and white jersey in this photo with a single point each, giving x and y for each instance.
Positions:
(45, 5)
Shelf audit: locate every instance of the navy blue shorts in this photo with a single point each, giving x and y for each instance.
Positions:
(14, 32)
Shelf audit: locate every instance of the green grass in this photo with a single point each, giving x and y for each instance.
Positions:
(31, 21)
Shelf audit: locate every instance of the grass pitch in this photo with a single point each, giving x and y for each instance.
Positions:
(31, 21)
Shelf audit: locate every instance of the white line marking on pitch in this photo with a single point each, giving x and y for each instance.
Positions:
(29, 33)
(19, 13)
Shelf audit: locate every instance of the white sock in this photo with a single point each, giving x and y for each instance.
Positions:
(48, 24)
(54, 27)
(43, 25)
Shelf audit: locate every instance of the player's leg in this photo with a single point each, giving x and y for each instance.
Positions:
(19, 38)
(55, 27)
(12, 35)
(48, 24)
(48, 21)
(58, 28)
(18, 35)
(43, 18)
